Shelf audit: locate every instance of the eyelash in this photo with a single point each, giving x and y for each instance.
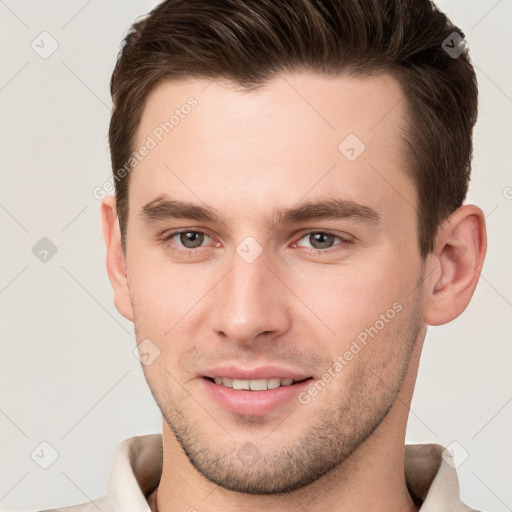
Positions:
(344, 242)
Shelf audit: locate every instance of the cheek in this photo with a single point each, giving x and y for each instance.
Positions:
(163, 382)
(162, 292)
(349, 299)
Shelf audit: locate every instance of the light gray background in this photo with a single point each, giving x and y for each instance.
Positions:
(68, 376)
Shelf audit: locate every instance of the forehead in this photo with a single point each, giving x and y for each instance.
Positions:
(300, 134)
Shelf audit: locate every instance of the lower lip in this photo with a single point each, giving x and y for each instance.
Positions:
(253, 403)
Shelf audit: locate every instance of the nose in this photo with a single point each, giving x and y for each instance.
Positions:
(251, 302)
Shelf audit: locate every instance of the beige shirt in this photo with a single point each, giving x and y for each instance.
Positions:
(136, 466)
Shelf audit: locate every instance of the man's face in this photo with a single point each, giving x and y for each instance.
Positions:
(257, 294)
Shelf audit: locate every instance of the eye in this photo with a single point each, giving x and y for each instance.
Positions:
(323, 241)
(186, 239)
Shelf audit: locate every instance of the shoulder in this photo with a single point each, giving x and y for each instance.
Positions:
(103, 504)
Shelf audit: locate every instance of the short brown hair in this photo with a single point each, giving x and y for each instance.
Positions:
(252, 41)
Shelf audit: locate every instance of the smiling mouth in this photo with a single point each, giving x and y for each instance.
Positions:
(255, 384)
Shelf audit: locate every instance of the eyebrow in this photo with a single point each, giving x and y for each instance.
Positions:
(165, 208)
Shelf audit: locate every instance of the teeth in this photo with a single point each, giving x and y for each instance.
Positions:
(273, 383)
(241, 384)
(254, 385)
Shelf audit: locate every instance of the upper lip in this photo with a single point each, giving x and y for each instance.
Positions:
(261, 372)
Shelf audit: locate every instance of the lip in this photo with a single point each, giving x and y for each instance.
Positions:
(252, 403)
(263, 372)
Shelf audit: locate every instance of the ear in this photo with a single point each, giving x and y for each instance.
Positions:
(455, 265)
(116, 260)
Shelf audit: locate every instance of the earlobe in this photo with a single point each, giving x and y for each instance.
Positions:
(115, 257)
(457, 258)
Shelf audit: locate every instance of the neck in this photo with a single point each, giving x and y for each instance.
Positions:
(371, 478)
